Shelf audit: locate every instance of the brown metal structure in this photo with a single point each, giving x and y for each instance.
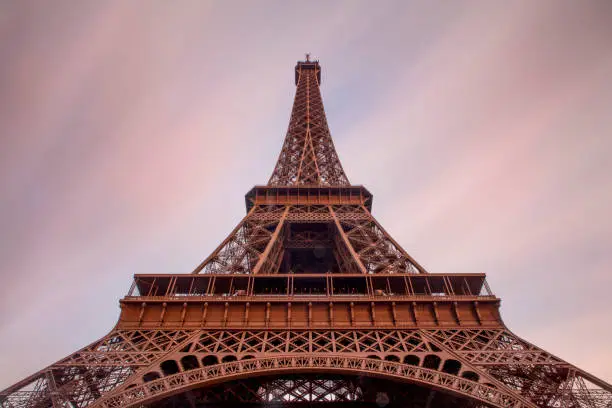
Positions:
(309, 302)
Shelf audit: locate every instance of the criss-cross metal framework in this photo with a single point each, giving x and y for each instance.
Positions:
(309, 301)
(308, 156)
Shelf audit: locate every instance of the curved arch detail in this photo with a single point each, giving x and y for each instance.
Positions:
(210, 375)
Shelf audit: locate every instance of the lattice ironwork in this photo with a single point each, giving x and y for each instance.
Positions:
(247, 326)
(309, 389)
(314, 390)
(127, 359)
(246, 248)
(308, 156)
(359, 243)
(157, 389)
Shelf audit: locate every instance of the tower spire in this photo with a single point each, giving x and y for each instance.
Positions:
(308, 156)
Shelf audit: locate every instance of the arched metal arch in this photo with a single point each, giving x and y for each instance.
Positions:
(211, 375)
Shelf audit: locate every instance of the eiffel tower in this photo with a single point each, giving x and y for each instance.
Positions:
(309, 302)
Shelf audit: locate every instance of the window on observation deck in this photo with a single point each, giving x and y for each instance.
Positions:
(311, 286)
(437, 286)
(349, 286)
(149, 286)
(270, 286)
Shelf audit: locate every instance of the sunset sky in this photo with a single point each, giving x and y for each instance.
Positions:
(131, 130)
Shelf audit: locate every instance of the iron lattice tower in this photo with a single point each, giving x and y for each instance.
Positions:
(309, 302)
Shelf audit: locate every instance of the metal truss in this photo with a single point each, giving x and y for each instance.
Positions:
(543, 378)
(294, 389)
(129, 367)
(172, 384)
(308, 156)
(314, 390)
(81, 378)
(360, 243)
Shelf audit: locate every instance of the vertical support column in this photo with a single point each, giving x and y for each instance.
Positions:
(171, 286)
(289, 314)
(415, 313)
(250, 284)
(477, 311)
(467, 291)
(190, 292)
(204, 313)
(163, 313)
(373, 312)
(133, 288)
(411, 287)
(209, 285)
(449, 287)
(266, 253)
(153, 286)
(183, 313)
(436, 313)
(309, 314)
(457, 314)
(247, 306)
(225, 312)
(143, 305)
(346, 241)
(213, 282)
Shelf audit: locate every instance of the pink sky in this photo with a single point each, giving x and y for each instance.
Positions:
(131, 131)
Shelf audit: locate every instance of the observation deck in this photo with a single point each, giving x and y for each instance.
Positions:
(308, 195)
(310, 301)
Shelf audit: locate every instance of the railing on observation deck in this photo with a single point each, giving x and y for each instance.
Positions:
(387, 286)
